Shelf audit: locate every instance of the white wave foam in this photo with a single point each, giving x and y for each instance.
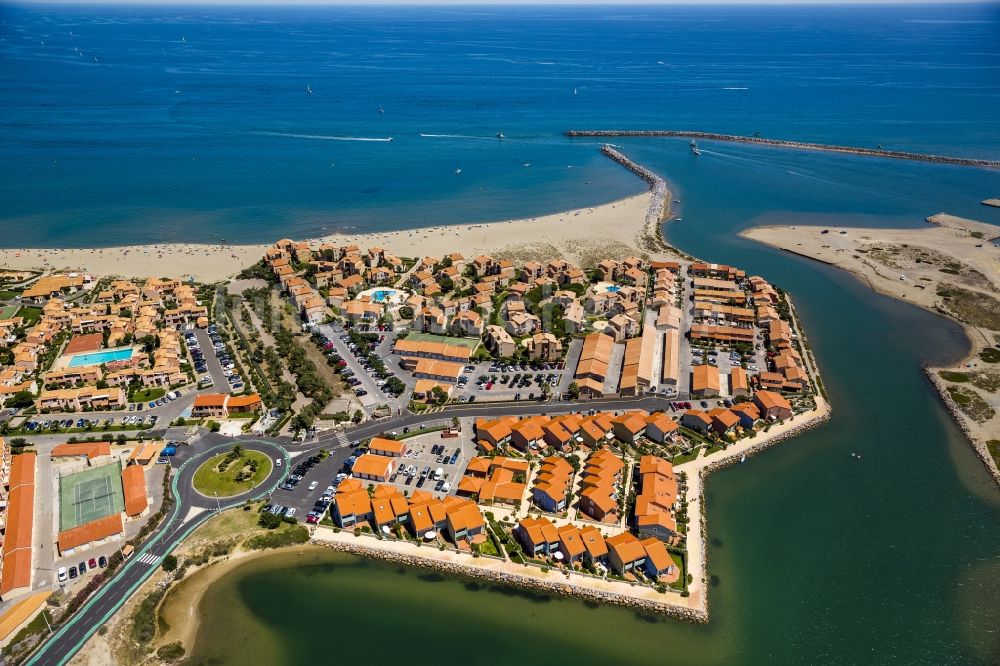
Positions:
(735, 88)
(455, 136)
(324, 137)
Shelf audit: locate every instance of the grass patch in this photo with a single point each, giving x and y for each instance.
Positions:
(972, 307)
(288, 536)
(956, 377)
(993, 446)
(990, 355)
(685, 457)
(8, 311)
(146, 395)
(242, 474)
(987, 381)
(31, 315)
(971, 404)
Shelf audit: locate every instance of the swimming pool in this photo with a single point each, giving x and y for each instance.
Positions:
(612, 288)
(380, 295)
(97, 358)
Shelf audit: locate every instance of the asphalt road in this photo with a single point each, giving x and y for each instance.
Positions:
(191, 508)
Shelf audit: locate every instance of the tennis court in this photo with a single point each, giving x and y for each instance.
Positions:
(8, 311)
(90, 494)
(471, 343)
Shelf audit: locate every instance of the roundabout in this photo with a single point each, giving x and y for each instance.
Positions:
(232, 473)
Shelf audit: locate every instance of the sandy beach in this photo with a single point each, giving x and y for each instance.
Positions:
(583, 235)
(949, 267)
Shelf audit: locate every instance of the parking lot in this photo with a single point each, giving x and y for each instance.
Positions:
(212, 360)
(359, 373)
(433, 463)
(322, 473)
(489, 382)
(318, 479)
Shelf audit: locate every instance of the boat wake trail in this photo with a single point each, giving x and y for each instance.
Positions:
(458, 136)
(324, 137)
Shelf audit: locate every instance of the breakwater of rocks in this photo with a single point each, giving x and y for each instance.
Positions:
(528, 583)
(961, 419)
(659, 205)
(803, 145)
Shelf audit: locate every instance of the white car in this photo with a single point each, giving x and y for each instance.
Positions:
(62, 575)
(314, 485)
(277, 462)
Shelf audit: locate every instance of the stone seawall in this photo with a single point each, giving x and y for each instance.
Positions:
(961, 419)
(553, 587)
(803, 145)
(659, 205)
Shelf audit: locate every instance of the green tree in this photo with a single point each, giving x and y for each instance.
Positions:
(574, 390)
(169, 563)
(358, 416)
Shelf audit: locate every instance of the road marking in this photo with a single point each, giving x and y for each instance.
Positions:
(149, 558)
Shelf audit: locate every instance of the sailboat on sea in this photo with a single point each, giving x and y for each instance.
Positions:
(694, 148)
(309, 90)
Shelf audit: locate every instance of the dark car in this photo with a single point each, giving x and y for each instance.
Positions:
(72, 572)
(102, 561)
(83, 568)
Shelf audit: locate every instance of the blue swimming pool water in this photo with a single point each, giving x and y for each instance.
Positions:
(612, 288)
(382, 294)
(96, 358)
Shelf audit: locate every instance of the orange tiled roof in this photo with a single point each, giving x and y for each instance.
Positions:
(134, 483)
(17, 546)
(95, 530)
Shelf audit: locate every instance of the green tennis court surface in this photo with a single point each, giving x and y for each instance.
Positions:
(471, 343)
(8, 311)
(90, 494)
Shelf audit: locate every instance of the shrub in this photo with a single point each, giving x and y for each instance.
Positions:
(169, 563)
(171, 652)
(269, 520)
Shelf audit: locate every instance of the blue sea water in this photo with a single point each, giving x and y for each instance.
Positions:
(131, 125)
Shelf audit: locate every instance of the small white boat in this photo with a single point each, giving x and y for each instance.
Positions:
(309, 90)
(458, 171)
(527, 164)
(743, 458)
(380, 109)
(574, 91)
(694, 147)
(499, 135)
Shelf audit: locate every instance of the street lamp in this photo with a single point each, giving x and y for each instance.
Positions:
(218, 507)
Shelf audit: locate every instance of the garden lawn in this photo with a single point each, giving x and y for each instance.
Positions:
(209, 481)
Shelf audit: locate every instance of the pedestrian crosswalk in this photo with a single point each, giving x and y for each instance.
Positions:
(342, 440)
(149, 558)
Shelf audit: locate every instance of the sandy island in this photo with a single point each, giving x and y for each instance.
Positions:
(584, 235)
(951, 268)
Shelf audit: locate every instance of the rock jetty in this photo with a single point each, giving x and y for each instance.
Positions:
(659, 205)
(804, 145)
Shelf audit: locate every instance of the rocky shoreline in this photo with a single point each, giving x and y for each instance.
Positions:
(805, 145)
(960, 418)
(522, 582)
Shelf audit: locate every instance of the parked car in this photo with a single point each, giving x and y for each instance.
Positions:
(61, 574)
(102, 561)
